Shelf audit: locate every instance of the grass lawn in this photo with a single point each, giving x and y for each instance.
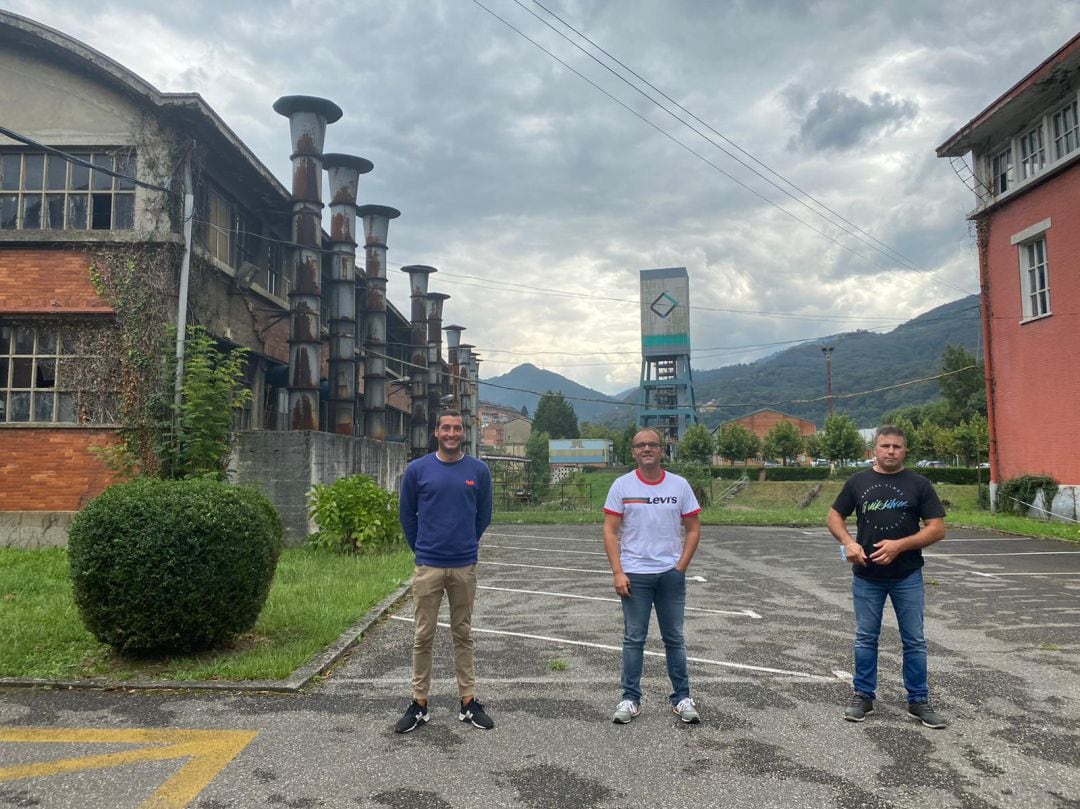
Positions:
(314, 597)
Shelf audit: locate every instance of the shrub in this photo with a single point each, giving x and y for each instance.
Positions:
(777, 473)
(1016, 495)
(354, 513)
(173, 566)
(699, 477)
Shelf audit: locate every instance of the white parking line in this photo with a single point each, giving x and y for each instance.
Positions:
(1055, 573)
(746, 613)
(544, 550)
(707, 661)
(546, 567)
(1005, 553)
(597, 541)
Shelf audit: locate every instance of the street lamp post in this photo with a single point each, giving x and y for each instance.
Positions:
(827, 351)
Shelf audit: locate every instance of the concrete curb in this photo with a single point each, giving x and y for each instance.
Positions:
(290, 685)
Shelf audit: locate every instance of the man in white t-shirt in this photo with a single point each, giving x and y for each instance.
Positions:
(644, 517)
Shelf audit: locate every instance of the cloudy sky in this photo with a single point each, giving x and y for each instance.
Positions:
(540, 196)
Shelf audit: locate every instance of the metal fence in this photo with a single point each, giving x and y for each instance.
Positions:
(543, 497)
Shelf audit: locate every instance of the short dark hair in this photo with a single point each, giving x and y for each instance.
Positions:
(889, 429)
(449, 411)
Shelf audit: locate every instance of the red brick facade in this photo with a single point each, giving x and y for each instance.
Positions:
(47, 281)
(1032, 368)
(51, 469)
(761, 421)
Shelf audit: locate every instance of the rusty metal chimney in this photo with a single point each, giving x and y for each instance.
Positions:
(376, 226)
(421, 430)
(344, 172)
(453, 340)
(308, 117)
(465, 399)
(436, 375)
(474, 374)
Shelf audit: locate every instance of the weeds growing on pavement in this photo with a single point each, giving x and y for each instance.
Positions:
(314, 597)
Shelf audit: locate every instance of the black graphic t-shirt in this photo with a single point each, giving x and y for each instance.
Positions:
(888, 507)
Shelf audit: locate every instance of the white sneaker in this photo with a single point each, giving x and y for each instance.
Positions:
(626, 711)
(686, 711)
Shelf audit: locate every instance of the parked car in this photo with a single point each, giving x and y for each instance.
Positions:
(984, 465)
(821, 462)
(930, 464)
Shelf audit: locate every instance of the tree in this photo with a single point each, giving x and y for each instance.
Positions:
(784, 441)
(555, 416)
(812, 445)
(736, 443)
(840, 439)
(964, 387)
(623, 452)
(536, 450)
(971, 440)
(696, 445)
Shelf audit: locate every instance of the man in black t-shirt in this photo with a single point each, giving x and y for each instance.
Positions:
(898, 514)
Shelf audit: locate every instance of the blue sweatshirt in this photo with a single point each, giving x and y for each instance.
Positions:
(444, 508)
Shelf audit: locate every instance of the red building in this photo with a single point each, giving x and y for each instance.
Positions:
(1025, 171)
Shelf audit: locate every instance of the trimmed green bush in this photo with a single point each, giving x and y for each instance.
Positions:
(173, 566)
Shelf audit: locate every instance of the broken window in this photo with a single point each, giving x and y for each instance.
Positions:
(41, 191)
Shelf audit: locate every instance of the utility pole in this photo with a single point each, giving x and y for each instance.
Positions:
(827, 351)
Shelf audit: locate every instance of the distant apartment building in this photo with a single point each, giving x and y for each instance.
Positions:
(1025, 171)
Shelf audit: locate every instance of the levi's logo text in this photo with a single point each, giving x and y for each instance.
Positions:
(649, 501)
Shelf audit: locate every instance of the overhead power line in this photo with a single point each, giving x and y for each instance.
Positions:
(704, 159)
(843, 223)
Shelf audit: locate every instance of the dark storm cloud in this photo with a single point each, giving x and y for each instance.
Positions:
(836, 121)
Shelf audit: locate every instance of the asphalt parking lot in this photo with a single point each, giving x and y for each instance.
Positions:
(768, 626)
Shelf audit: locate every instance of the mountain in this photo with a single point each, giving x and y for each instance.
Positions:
(514, 389)
(861, 361)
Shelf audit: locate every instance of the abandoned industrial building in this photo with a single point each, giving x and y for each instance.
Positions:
(123, 208)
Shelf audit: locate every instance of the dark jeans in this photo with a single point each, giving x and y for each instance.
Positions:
(667, 593)
(907, 596)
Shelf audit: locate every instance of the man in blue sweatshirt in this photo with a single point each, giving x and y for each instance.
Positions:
(445, 506)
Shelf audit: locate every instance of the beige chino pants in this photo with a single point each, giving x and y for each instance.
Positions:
(429, 583)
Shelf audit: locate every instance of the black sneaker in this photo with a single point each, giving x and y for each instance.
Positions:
(474, 712)
(922, 712)
(858, 708)
(413, 718)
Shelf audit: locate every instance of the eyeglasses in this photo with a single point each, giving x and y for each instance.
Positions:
(647, 445)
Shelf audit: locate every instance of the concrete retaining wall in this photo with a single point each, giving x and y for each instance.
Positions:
(284, 465)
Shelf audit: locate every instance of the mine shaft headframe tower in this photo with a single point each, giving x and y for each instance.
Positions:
(666, 392)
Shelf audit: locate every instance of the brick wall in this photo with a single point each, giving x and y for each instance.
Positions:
(1036, 375)
(51, 469)
(761, 422)
(43, 280)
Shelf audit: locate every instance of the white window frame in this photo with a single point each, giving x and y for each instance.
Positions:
(1066, 133)
(1034, 278)
(1032, 152)
(1002, 178)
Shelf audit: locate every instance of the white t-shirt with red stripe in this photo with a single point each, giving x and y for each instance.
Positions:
(650, 536)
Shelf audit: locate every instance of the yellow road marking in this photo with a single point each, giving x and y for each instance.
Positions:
(209, 752)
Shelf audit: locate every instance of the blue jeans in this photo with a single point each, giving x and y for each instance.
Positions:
(667, 593)
(907, 596)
